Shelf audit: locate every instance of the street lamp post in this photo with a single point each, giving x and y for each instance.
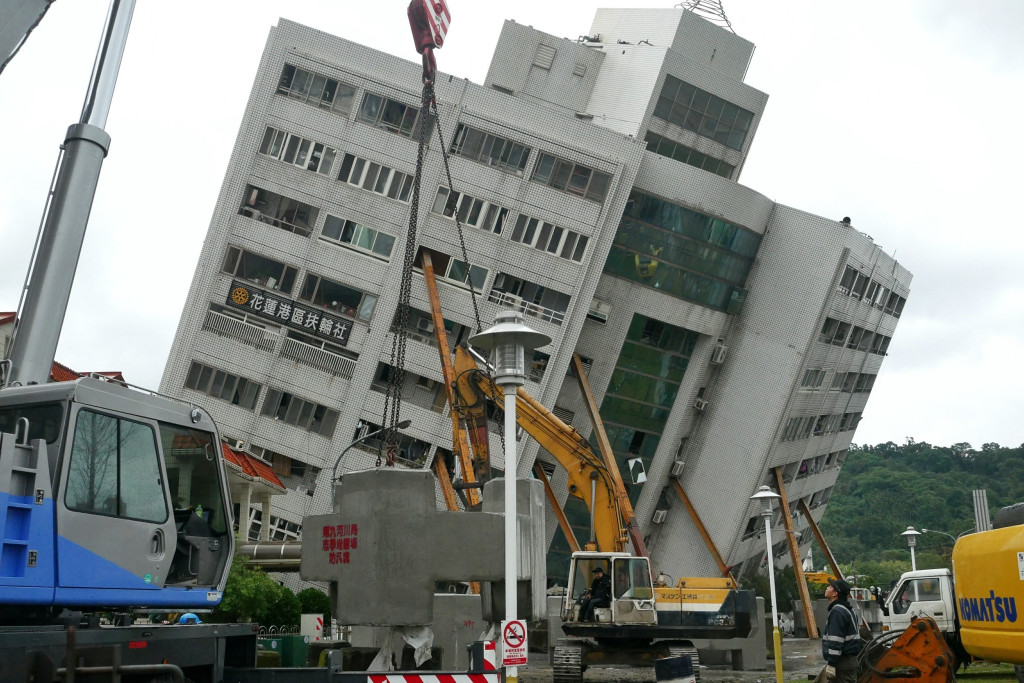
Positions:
(508, 339)
(404, 424)
(766, 497)
(911, 535)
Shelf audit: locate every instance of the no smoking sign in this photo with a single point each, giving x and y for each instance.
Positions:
(513, 643)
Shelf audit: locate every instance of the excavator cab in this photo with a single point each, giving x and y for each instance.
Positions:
(110, 497)
(632, 591)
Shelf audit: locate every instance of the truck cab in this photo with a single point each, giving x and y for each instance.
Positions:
(924, 593)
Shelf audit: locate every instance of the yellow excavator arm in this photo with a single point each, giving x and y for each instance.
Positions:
(590, 479)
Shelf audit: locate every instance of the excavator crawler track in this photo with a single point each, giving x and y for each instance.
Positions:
(681, 650)
(567, 663)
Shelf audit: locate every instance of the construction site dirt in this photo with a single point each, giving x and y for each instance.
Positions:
(801, 661)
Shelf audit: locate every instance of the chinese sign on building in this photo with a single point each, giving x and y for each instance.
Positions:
(272, 306)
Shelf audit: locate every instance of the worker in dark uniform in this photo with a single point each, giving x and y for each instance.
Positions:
(599, 595)
(840, 643)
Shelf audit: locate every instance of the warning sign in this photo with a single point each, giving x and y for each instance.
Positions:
(513, 643)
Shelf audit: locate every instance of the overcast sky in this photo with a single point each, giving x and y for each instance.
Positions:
(903, 117)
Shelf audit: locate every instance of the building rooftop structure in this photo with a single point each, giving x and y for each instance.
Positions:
(731, 341)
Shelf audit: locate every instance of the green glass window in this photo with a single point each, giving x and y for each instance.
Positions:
(705, 114)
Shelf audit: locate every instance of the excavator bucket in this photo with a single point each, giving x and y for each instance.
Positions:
(919, 655)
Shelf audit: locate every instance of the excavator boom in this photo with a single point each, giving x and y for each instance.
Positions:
(590, 478)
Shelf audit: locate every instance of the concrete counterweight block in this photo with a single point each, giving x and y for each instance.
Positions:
(386, 545)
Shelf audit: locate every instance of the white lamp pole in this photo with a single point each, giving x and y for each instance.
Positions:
(509, 339)
(766, 497)
(911, 535)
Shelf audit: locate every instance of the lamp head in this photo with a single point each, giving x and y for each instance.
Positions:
(911, 535)
(766, 497)
(508, 340)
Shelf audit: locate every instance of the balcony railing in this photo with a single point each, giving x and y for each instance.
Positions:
(247, 333)
(316, 357)
(516, 303)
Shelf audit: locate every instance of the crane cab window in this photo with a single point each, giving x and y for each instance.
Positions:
(44, 421)
(192, 477)
(115, 469)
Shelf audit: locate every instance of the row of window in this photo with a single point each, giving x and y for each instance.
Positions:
(328, 93)
(377, 178)
(860, 286)
(848, 382)
(279, 404)
(356, 235)
(816, 425)
(480, 213)
(480, 146)
(838, 333)
(811, 466)
(511, 157)
(298, 151)
(708, 115)
(680, 152)
(277, 276)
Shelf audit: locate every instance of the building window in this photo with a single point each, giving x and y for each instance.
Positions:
(478, 213)
(115, 469)
(337, 297)
(571, 177)
(315, 89)
(680, 152)
(375, 177)
(812, 379)
(235, 390)
(280, 211)
(683, 252)
(463, 273)
(550, 238)
(261, 270)
(530, 298)
(705, 114)
(490, 149)
(357, 236)
(298, 151)
(391, 115)
(304, 414)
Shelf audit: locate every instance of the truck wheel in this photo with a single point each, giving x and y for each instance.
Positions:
(680, 650)
(567, 663)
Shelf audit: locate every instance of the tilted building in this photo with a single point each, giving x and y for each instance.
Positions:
(730, 340)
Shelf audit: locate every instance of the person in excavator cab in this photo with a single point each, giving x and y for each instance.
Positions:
(598, 595)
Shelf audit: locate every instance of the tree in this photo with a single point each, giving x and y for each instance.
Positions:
(315, 601)
(250, 594)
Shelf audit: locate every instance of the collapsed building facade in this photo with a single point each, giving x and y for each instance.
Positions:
(730, 341)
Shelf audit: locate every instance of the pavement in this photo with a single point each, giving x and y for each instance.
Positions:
(801, 661)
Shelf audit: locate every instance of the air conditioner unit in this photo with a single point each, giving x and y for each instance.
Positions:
(659, 516)
(599, 311)
(512, 301)
(718, 354)
(301, 489)
(677, 468)
(701, 405)
(237, 444)
(425, 325)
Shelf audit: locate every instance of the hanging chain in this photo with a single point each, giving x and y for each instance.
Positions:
(465, 259)
(458, 225)
(396, 376)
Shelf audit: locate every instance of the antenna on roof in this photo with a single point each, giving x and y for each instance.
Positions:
(710, 10)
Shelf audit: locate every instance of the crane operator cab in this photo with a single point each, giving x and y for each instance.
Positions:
(110, 497)
(631, 596)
